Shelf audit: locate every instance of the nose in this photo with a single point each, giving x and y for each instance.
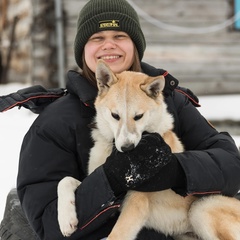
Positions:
(127, 147)
(108, 44)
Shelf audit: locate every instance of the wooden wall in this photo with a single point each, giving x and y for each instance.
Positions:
(15, 22)
(208, 63)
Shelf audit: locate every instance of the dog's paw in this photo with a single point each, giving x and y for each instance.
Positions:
(67, 216)
(67, 220)
(68, 227)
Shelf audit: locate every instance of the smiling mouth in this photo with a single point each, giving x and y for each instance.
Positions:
(109, 57)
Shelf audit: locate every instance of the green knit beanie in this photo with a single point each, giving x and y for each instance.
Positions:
(101, 15)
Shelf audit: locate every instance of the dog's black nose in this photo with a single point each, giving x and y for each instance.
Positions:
(128, 147)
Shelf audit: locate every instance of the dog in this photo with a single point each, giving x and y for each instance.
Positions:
(121, 98)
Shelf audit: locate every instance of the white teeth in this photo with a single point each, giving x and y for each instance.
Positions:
(109, 57)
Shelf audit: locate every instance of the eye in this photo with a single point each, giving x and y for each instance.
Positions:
(96, 38)
(116, 116)
(121, 36)
(137, 117)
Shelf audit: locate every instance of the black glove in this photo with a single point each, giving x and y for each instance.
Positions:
(129, 170)
(171, 176)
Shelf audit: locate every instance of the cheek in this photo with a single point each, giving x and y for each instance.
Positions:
(89, 56)
(129, 49)
(129, 57)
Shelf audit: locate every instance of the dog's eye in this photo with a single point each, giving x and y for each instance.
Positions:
(137, 117)
(116, 116)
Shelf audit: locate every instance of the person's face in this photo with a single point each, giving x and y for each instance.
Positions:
(114, 47)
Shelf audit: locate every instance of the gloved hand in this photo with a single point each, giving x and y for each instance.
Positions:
(131, 169)
(171, 176)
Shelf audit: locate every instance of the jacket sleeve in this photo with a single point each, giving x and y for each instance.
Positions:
(211, 161)
(42, 165)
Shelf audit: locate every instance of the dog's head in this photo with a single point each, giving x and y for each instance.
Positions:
(128, 104)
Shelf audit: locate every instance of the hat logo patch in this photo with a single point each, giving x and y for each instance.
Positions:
(109, 24)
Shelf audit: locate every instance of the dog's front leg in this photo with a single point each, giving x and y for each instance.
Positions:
(133, 217)
(67, 216)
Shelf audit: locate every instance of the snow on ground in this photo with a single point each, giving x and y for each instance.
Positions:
(223, 107)
(15, 123)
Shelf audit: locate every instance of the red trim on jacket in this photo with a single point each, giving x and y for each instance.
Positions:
(28, 99)
(187, 95)
(105, 210)
(204, 193)
(165, 73)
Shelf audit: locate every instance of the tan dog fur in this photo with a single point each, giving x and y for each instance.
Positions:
(128, 95)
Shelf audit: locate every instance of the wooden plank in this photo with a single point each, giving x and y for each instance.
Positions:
(73, 7)
(206, 69)
(20, 9)
(188, 14)
(185, 10)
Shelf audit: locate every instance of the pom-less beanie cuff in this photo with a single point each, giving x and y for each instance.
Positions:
(101, 15)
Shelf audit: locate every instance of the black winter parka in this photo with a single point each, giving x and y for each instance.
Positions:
(58, 143)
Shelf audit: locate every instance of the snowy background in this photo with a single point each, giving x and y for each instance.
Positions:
(15, 123)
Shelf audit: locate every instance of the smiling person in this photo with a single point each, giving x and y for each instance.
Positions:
(114, 47)
(58, 142)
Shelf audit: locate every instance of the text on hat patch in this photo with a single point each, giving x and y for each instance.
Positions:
(108, 23)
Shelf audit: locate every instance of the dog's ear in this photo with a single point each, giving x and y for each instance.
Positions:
(153, 86)
(104, 76)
